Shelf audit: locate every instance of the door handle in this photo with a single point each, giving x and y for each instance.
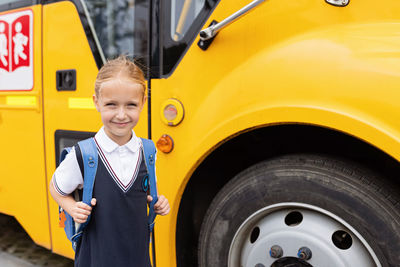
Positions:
(66, 80)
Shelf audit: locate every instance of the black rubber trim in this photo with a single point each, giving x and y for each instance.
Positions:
(172, 52)
(86, 27)
(154, 40)
(18, 4)
(72, 136)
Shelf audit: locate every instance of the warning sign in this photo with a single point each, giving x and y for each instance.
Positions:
(16, 51)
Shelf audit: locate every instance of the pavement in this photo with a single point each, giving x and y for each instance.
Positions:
(18, 250)
(8, 260)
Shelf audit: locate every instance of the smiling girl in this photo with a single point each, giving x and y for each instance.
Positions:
(117, 233)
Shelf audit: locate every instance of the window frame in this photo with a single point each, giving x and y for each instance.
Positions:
(167, 53)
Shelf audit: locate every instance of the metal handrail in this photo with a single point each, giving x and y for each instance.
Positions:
(211, 31)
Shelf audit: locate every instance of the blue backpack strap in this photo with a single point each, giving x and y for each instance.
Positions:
(87, 157)
(150, 159)
(90, 161)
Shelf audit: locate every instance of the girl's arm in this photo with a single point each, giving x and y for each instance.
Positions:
(78, 210)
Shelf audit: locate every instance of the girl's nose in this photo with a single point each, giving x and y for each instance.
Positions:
(121, 113)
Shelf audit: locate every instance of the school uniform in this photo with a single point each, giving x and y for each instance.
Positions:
(117, 234)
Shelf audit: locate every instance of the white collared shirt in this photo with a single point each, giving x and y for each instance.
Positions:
(123, 160)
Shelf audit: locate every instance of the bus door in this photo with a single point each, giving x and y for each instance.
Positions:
(22, 179)
(77, 38)
(69, 69)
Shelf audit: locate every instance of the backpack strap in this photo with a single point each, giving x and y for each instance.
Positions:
(150, 158)
(87, 157)
(90, 161)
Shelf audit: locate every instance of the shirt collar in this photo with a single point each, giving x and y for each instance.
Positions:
(109, 145)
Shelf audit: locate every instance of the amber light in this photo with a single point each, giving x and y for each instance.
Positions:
(165, 143)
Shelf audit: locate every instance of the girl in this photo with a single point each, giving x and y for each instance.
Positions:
(117, 234)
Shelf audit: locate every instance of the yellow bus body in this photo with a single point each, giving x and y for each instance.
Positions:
(285, 63)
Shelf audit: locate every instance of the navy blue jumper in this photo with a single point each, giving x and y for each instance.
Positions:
(118, 233)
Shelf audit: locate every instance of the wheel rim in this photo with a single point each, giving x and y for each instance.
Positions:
(325, 239)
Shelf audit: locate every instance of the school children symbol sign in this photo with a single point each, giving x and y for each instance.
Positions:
(16, 51)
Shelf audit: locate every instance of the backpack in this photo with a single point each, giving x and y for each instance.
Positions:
(90, 161)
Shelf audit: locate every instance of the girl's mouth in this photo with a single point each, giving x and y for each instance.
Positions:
(121, 123)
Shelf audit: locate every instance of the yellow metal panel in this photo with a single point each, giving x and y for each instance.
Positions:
(22, 182)
(303, 62)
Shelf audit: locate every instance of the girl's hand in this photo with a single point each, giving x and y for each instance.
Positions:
(162, 205)
(80, 211)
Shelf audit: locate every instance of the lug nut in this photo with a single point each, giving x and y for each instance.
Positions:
(276, 251)
(304, 253)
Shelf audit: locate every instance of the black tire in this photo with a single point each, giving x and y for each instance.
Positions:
(357, 196)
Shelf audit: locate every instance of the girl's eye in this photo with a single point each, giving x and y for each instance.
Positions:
(132, 104)
(110, 104)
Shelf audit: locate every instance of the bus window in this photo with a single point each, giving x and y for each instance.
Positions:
(118, 23)
(183, 13)
(182, 21)
(7, 5)
(2, 2)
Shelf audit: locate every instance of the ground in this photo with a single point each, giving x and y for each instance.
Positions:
(18, 250)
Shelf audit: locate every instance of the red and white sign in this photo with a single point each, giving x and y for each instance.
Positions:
(16, 51)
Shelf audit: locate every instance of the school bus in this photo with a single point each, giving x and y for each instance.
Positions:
(276, 122)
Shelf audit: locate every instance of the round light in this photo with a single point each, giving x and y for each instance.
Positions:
(165, 143)
(172, 112)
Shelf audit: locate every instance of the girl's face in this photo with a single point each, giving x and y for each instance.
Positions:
(120, 102)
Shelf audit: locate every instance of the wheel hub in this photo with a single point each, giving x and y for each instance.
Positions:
(295, 234)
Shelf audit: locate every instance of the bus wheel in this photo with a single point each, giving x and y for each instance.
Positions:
(302, 210)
